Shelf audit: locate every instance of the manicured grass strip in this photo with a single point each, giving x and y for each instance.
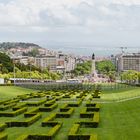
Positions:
(3, 136)
(13, 91)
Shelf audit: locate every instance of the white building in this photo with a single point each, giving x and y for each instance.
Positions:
(44, 62)
(128, 61)
(23, 60)
(1, 80)
(65, 63)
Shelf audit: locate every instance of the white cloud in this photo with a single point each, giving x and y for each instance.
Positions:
(45, 13)
(70, 18)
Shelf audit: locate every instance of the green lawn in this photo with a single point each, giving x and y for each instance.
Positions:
(127, 93)
(13, 91)
(118, 121)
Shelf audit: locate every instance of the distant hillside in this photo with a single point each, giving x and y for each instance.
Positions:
(8, 45)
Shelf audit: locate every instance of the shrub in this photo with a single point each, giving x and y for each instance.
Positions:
(76, 104)
(48, 136)
(31, 112)
(36, 103)
(25, 123)
(48, 103)
(65, 114)
(2, 126)
(50, 118)
(74, 129)
(14, 113)
(23, 137)
(19, 106)
(5, 107)
(4, 101)
(54, 130)
(3, 136)
(50, 108)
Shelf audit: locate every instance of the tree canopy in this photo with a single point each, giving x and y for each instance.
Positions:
(6, 64)
(105, 67)
(83, 68)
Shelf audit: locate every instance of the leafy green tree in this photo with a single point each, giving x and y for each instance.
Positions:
(34, 52)
(130, 76)
(6, 62)
(83, 68)
(105, 66)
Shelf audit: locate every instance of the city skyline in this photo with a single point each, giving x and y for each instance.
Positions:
(85, 24)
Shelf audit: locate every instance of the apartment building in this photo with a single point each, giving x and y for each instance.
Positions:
(44, 62)
(128, 61)
(65, 62)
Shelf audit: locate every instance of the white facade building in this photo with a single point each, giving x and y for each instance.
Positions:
(129, 61)
(44, 62)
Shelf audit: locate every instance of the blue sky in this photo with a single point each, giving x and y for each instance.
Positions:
(96, 24)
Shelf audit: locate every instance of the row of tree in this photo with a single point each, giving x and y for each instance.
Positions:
(23, 71)
(32, 75)
(130, 77)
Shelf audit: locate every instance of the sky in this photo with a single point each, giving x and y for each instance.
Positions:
(87, 25)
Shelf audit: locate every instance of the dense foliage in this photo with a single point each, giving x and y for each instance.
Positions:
(130, 76)
(6, 64)
(83, 68)
(34, 52)
(23, 71)
(9, 45)
(105, 66)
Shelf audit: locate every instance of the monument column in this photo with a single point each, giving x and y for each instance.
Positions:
(93, 65)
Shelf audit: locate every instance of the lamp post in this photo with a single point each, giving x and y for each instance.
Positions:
(1, 68)
(30, 67)
(14, 71)
(66, 61)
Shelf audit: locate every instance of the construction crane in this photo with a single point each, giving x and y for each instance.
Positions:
(123, 49)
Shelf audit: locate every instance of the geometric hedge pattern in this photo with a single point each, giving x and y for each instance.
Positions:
(53, 115)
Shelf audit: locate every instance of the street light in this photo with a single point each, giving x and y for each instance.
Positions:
(1, 68)
(14, 61)
(30, 66)
(66, 60)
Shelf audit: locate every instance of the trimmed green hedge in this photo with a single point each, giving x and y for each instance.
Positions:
(74, 129)
(93, 123)
(3, 136)
(25, 123)
(2, 126)
(72, 135)
(65, 114)
(54, 130)
(48, 119)
(48, 103)
(91, 114)
(31, 112)
(11, 101)
(5, 107)
(48, 136)
(23, 137)
(50, 108)
(36, 103)
(75, 104)
(14, 113)
(19, 106)
(4, 101)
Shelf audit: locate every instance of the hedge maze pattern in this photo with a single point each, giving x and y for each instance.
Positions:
(49, 115)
